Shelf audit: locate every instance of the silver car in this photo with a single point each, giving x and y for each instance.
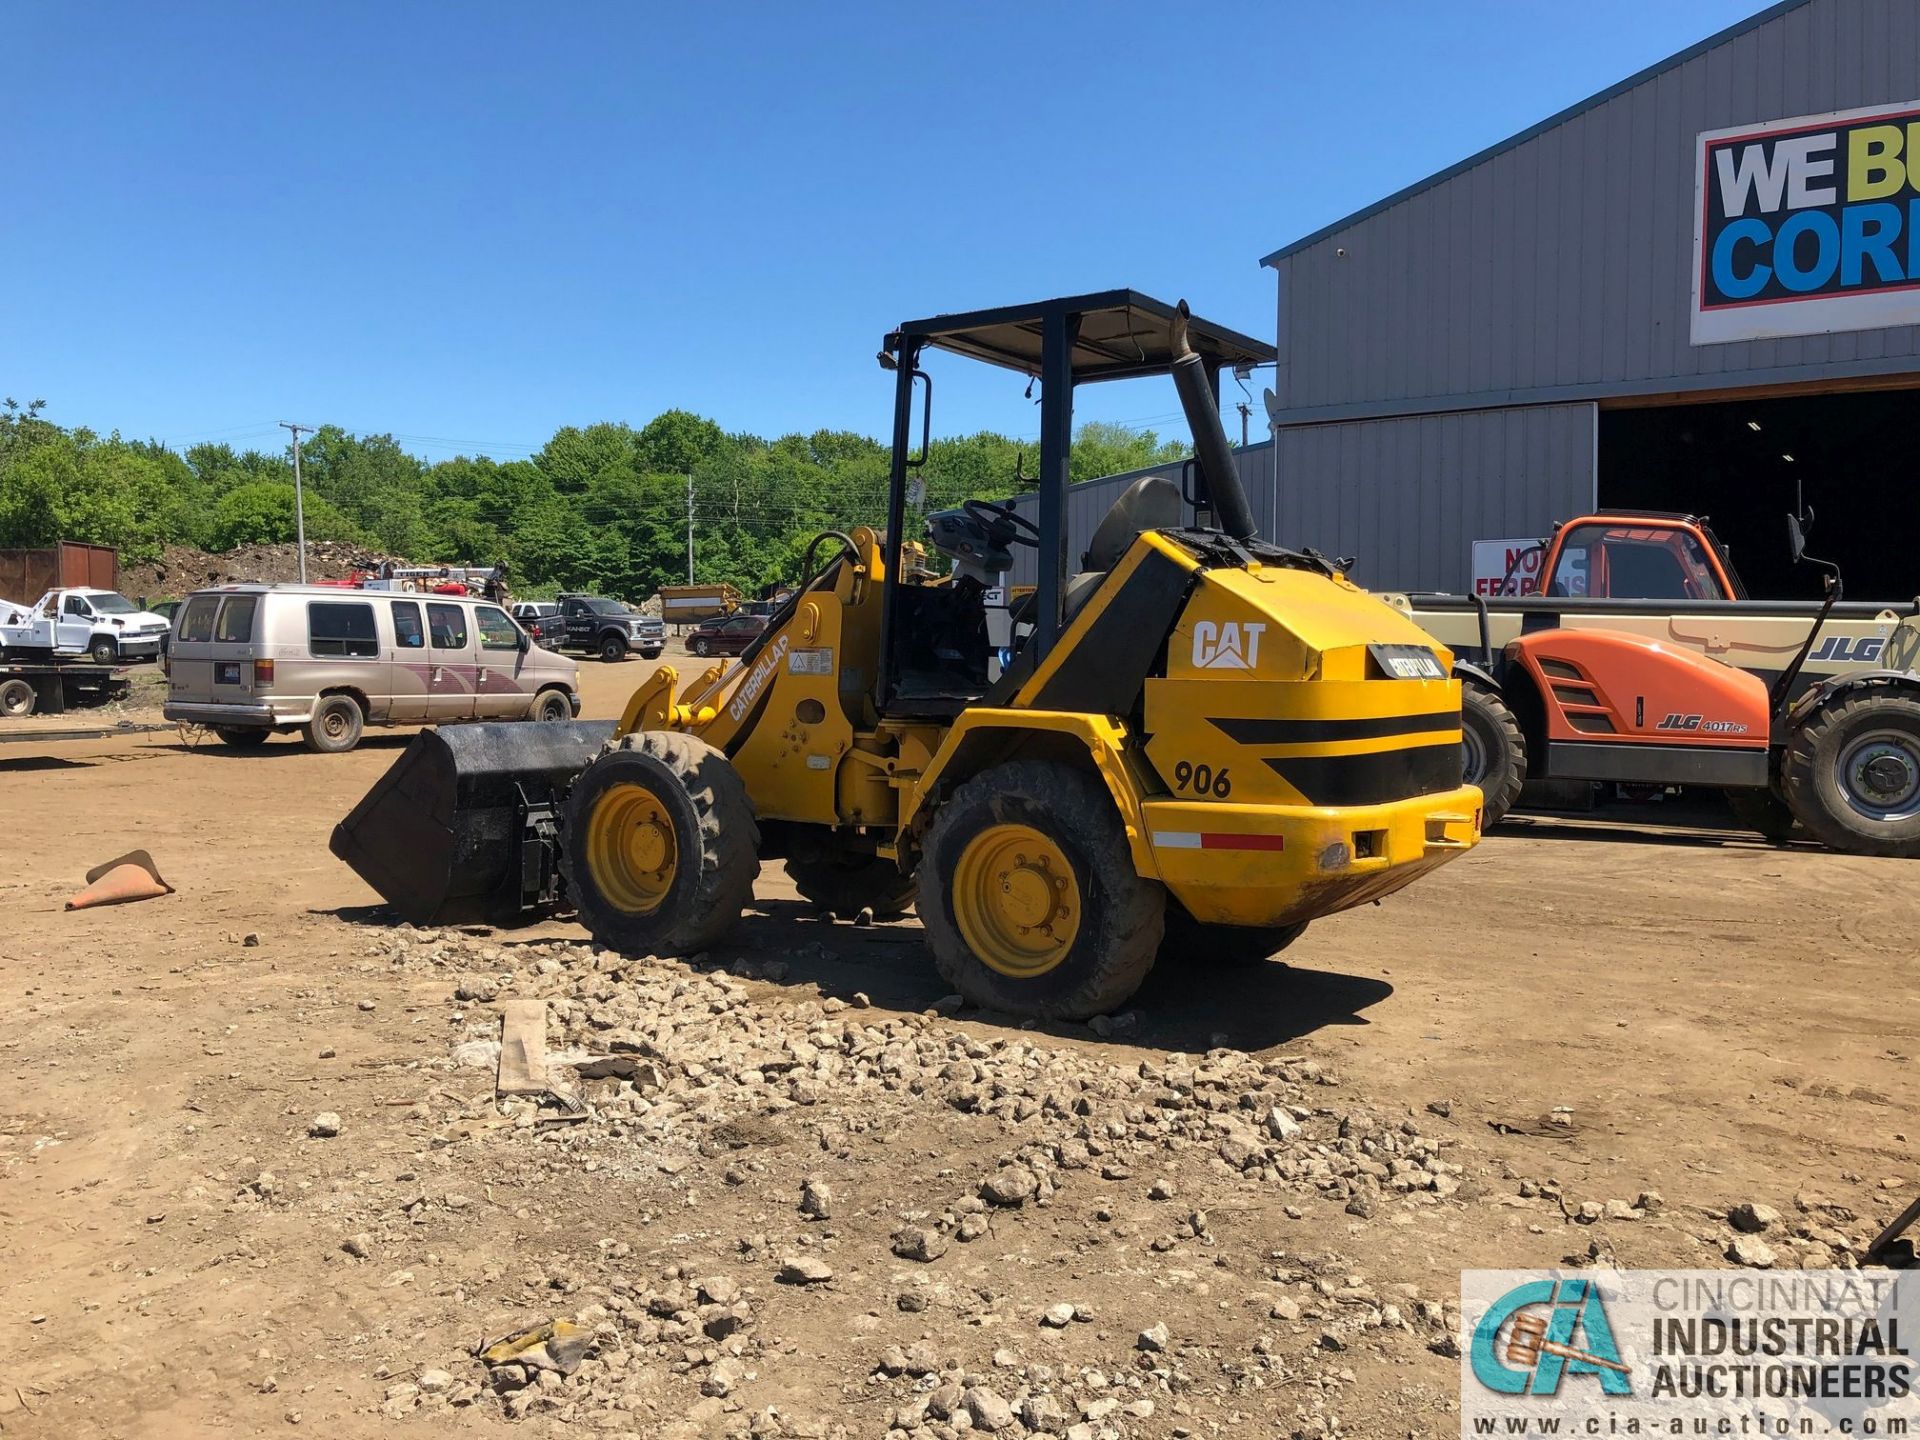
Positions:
(252, 660)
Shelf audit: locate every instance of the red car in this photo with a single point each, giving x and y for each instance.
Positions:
(727, 636)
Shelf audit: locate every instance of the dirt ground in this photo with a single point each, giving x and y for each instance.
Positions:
(1284, 1166)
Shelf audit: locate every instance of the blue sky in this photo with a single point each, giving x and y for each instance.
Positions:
(467, 224)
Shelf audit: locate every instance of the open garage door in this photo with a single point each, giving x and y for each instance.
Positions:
(1856, 456)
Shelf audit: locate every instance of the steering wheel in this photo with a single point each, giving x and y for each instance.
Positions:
(1005, 518)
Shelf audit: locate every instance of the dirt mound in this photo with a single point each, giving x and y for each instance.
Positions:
(181, 568)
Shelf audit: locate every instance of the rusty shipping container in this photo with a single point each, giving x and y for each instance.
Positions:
(26, 575)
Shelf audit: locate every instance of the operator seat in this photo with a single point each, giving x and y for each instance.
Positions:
(1150, 503)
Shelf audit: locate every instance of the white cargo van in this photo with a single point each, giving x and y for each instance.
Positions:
(252, 660)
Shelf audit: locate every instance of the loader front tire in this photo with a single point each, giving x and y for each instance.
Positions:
(847, 883)
(1494, 750)
(661, 845)
(1852, 773)
(1029, 895)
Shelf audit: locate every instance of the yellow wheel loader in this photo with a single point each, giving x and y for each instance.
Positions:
(1196, 741)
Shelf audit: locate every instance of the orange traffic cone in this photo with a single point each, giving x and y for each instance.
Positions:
(133, 876)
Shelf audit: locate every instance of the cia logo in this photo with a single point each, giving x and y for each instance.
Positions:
(1232, 645)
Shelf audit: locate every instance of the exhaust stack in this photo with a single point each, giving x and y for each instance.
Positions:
(1210, 448)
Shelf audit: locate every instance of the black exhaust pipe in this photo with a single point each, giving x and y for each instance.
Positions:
(1210, 448)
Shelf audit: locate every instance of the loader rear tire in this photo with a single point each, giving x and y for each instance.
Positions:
(1495, 751)
(1190, 941)
(661, 845)
(1852, 773)
(846, 884)
(1029, 895)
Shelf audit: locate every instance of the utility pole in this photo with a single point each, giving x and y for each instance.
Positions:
(1246, 412)
(689, 527)
(299, 501)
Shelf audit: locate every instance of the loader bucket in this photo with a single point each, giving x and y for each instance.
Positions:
(464, 827)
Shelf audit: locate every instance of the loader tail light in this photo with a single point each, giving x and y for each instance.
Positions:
(262, 673)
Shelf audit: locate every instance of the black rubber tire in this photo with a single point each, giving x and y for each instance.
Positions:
(552, 706)
(699, 646)
(650, 654)
(1494, 746)
(104, 650)
(613, 649)
(713, 823)
(243, 737)
(1765, 812)
(336, 726)
(847, 883)
(1191, 942)
(1817, 751)
(17, 698)
(1122, 914)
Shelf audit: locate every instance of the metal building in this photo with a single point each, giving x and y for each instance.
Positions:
(1697, 290)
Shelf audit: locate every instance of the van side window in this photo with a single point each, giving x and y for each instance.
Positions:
(196, 621)
(448, 625)
(497, 632)
(236, 620)
(407, 633)
(337, 629)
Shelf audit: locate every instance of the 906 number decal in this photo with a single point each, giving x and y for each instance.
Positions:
(1202, 779)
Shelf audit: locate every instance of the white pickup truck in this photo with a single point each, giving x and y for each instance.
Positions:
(104, 626)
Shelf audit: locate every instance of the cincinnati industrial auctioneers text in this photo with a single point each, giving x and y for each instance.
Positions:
(1689, 1352)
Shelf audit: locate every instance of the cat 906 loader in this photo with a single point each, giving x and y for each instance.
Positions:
(1200, 741)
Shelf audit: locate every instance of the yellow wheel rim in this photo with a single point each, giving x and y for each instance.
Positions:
(631, 853)
(1016, 901)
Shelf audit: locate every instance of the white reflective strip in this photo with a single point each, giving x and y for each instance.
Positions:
(1176, 839)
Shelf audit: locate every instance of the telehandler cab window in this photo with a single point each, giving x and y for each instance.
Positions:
(1620, 562)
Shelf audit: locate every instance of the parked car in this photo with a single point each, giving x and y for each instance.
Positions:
(103, 625)
(542, 620)
(251, 661)
(725, 637)
(609, 629)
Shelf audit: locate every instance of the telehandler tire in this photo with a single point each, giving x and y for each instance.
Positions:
(1029, 895)
(846, 884)
(1495, 755)
(661, 845)
(1765, 812)
(1190, 941)
(1852, 773)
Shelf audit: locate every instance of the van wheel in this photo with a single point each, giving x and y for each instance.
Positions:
(1852, 773)
(1029, 895)
(104, 650)
(613, 649)
(336, 725)
(552, 706)
(243, 737)
(1190, 941)
(1493, 751)
(17, 697)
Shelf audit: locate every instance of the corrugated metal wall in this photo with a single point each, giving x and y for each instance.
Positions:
(1408, 497)
(1087, 503)
(1560, 268)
